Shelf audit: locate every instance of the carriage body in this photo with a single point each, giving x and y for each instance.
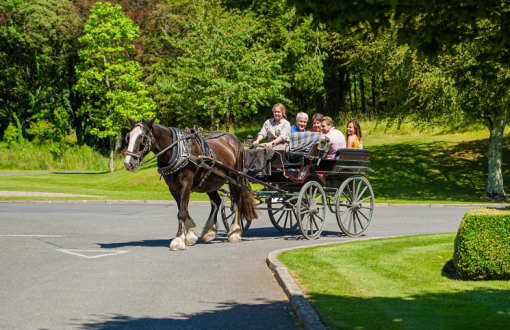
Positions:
(300, 186)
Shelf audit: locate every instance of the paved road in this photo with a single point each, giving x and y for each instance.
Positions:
(109, 267)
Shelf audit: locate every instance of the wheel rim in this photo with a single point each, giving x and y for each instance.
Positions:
(227, 216)
(311, 209)
(354, 205)
(283, 219)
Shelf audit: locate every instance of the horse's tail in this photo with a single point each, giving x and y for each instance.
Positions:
(248, 208)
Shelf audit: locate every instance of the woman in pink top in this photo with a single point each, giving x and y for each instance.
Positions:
(336, 137)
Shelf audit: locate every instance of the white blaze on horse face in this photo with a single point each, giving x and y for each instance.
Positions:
(133, 135)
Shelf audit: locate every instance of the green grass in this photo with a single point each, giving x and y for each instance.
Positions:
(396, 283)
(27, 156)
(431, 168)
(434, 165)
(119, 185)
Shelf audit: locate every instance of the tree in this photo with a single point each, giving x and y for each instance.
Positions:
(434, 29)
(109, 81)
(425, 25)
(37, 50)
(221, 70)
(61, 131)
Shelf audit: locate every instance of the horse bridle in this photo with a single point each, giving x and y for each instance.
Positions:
(146, 140)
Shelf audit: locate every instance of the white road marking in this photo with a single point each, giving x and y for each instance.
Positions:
(33, 235)
(103, 254)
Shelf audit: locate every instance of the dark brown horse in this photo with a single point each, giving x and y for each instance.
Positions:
(145, 136)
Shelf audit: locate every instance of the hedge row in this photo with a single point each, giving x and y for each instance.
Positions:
(482, 245)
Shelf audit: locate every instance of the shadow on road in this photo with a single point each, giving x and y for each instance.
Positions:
(257, 234)
(264, 315)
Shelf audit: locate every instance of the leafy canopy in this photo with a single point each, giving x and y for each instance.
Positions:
(109, 80)
(424, 25)
(221, 68)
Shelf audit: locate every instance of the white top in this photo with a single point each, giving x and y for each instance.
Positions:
(336, 141)
(272, 130)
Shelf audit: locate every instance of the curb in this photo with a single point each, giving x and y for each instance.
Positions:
(304, 311)
(205, 203)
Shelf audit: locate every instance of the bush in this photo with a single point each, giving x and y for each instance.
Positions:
(482, 245)
(10, 134)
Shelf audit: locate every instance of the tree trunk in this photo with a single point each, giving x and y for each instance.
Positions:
(341, 95)
(362, 92)
(373, 95)
(495, 180)
(112, 152)
(118, 143)
(350, 92)
(227, 125)
(355, 98)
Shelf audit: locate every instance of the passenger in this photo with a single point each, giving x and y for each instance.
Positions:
(317, 121)
(336, 137)
(301, 121)
(277, 130)
(354, 135)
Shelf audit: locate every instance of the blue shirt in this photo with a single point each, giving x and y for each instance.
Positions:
(294, 129)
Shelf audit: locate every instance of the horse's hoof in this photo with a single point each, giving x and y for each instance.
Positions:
(209, 236)
(234, 237)
(191, 239)
(177, 244)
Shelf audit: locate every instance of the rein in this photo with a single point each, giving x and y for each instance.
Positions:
(166, 149)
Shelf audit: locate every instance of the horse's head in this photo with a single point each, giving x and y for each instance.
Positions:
(140, 142)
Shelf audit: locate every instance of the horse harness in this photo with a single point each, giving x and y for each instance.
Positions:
(181, 155)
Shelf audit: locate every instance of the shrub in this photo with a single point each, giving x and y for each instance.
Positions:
(10, 134)
(482, 245)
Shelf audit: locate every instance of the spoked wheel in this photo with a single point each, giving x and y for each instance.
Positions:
(227, 214)
(311, 210)
(282, 213)
(354, 205)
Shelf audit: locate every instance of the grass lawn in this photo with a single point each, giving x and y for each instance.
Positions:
(412, 168)
(396, 283)
(447, 168)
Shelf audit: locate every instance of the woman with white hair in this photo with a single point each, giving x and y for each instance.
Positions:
(300, 125)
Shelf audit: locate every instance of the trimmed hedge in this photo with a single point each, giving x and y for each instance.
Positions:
(482, 245)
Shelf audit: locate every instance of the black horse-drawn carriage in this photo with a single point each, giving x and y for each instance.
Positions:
(298, 186)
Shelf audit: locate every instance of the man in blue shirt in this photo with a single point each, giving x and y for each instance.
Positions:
(301, 121)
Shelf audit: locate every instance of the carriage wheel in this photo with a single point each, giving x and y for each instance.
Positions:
(281, 217)
(354, 205)
(227, 215)
(311, 210)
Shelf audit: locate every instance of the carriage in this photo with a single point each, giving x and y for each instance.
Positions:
(298, 186)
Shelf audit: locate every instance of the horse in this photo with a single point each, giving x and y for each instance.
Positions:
(146, 136)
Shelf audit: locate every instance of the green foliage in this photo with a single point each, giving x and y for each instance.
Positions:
(42, 130)
(109, 81)
(221, 70)
(61, 132)
(32, 156)
(424, 25)
(482, 245)
(37, 51)
(11, 134)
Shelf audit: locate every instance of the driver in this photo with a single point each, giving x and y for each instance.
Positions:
(277, 130)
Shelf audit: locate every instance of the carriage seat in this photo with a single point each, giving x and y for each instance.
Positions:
(294, 158)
